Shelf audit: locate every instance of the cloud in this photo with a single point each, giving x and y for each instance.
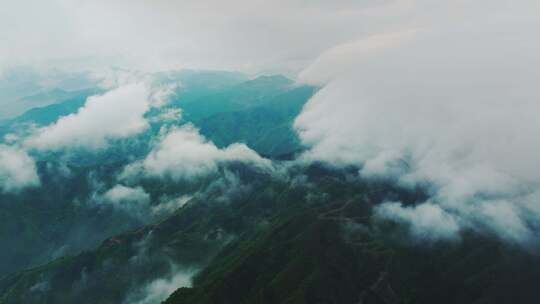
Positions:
(134, 201)
(17, 169)
(121, 194)
(450, 104)
(160, 289)
(117, 114)
(330, 65)
(182, 154)
(426, 221)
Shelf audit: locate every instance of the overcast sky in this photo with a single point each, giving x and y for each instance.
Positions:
(248, 35)
(251, 36)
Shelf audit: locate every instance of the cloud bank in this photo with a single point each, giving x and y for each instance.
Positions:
(182, 154)
(117, 114)
(450, 105)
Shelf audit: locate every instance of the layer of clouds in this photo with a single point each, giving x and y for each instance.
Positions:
(453, 105)
(123, 197)
(17, 169)
(182, 154)
(117, 114)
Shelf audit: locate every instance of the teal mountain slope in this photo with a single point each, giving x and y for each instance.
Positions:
(233, 98)
(266, 128)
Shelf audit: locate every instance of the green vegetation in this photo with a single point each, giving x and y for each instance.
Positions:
(287, 242)
(266, 128)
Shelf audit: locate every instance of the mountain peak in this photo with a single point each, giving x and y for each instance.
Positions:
(272, 78)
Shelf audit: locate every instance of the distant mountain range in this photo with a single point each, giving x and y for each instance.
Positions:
(226, 107)
(284, 242)
(47, 220)
(291, 232)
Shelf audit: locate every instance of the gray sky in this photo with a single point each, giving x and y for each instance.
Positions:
(162, 34)
(248, 35)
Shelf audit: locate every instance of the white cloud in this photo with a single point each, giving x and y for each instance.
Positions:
(117, 114)
(159, 289)
(330, 65)
(134, 200)
(426, 222)
(17, 169)
(457, 101)
(182, 153)
(121, 193)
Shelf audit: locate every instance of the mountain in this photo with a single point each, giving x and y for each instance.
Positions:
(53, 220)
(61, 217)
(64, 103)
(284, 242)
(258, 112)
(284, 232)
(187, 240)
(266, 128)
(45, 98)
(24, 88)
(60, 102)
(203, 80)
(232, 98)
(313, 258)
(224, 105)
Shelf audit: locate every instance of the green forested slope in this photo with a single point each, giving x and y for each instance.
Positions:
(267, 128)
(289, 242)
